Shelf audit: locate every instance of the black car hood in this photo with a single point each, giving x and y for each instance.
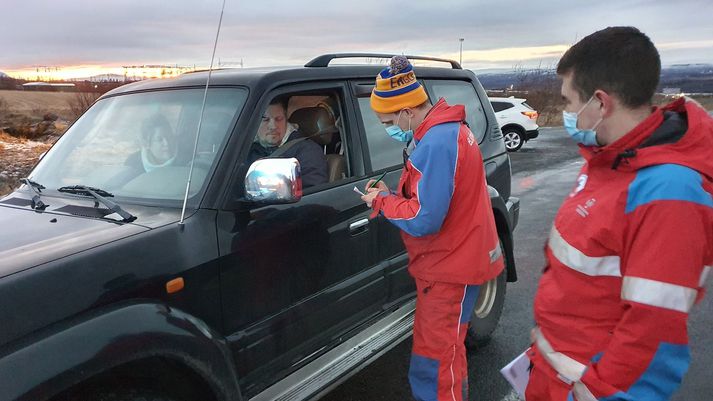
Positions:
(29, 238)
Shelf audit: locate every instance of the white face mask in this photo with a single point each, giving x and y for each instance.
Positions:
(587, 137)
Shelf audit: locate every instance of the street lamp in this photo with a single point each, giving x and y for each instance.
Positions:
(461, 50)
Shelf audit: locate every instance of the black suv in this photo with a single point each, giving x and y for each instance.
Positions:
(142, 266)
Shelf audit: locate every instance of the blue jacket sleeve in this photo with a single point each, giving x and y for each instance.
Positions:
(433, 165)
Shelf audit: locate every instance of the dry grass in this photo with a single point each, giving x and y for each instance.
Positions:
(80, 102)
(551, 116)
(7, 138)
(4, 107)
(31, 106)
(705, 101)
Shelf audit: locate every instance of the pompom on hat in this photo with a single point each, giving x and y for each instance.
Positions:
(397, 88)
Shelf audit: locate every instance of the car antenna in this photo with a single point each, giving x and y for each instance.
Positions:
(200, 119)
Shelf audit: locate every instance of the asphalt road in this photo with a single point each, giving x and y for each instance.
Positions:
(544, 171)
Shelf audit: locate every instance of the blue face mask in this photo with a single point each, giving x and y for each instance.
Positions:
(587, 137)
(398, 133)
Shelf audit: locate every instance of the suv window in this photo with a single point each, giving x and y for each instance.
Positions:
(140, 145)
(461, 92)
(383, 151)
(500, 106)
(307, 126)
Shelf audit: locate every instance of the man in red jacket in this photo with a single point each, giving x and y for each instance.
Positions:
(443, 210)
(631, 246)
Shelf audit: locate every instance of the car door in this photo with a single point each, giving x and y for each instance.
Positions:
(296, 278)
(383, 154)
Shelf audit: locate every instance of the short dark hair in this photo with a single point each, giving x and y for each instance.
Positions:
(619, 60)
(280, 101)
(156, 123)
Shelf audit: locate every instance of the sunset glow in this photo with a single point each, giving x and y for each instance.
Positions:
(73, 72)
(474, 59)
(510, 54)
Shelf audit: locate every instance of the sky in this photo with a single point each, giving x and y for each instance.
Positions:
(79, 38)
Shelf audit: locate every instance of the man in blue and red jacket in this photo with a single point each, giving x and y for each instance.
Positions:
(631, 246)
(443, 210)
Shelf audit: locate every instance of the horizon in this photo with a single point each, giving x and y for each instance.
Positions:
(80, 73)
(101, 39)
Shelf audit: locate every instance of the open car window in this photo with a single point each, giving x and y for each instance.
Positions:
(308, 127)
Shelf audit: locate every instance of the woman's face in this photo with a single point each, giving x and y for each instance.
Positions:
(161, 147)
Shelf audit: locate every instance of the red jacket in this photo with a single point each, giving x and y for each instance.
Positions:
(627, 258)
(442, 204)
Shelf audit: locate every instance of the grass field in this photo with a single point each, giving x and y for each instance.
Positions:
(554, 119)
(16, 105)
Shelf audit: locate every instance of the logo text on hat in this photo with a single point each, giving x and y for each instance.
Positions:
(403, 80)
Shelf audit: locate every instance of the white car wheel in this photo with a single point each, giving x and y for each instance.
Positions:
(513, 139)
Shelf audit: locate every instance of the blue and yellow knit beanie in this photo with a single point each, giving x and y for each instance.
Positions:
(397, 88)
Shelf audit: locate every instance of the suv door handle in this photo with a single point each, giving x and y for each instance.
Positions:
(358, 225)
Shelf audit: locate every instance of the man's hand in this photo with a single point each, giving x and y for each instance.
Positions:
(370, 195)
(380, 186)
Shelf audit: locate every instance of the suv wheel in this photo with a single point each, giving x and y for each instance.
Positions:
(487, 310)
(514, 139)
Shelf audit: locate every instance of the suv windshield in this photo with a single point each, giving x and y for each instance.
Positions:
(140, 145)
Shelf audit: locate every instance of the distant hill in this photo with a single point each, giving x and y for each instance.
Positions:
(102, 78)
(7, 82)
(688, 78)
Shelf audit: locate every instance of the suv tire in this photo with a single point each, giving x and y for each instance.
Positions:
(487, 310)
(514, 139)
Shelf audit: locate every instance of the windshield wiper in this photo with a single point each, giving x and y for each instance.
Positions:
(84, 190)
(37, 188)
(99, 195)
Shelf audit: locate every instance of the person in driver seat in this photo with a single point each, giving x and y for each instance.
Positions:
(275, 132)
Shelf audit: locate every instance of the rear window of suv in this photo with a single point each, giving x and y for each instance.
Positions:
(462, 92)
(500, 106)
(384, 152)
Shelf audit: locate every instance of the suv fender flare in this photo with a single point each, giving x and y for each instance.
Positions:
(73, 351)
(505, 227)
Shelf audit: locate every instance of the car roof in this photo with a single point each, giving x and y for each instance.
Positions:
(268, 76)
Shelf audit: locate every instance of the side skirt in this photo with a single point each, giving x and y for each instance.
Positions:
(334, 367)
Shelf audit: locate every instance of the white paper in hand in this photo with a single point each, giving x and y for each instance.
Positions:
(517, 373)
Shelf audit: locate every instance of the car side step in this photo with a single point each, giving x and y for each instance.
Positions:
(331, 369)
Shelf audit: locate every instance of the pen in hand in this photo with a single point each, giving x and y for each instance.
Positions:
(375, 182)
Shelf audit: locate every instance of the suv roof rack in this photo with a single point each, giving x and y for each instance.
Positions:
(325, 59)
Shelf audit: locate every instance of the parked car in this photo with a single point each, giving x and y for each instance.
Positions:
(517, 120)
(114, 287)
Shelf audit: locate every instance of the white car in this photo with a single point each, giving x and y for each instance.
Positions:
(517, 120)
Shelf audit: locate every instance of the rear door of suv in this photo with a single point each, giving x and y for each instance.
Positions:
(383, 154)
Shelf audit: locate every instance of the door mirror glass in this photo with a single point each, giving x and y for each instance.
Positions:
(274, 181)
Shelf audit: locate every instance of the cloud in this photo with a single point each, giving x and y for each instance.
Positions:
(510, 55)
(692, 44)
(77, 32)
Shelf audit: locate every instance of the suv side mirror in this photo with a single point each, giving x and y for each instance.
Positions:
(274, 181)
